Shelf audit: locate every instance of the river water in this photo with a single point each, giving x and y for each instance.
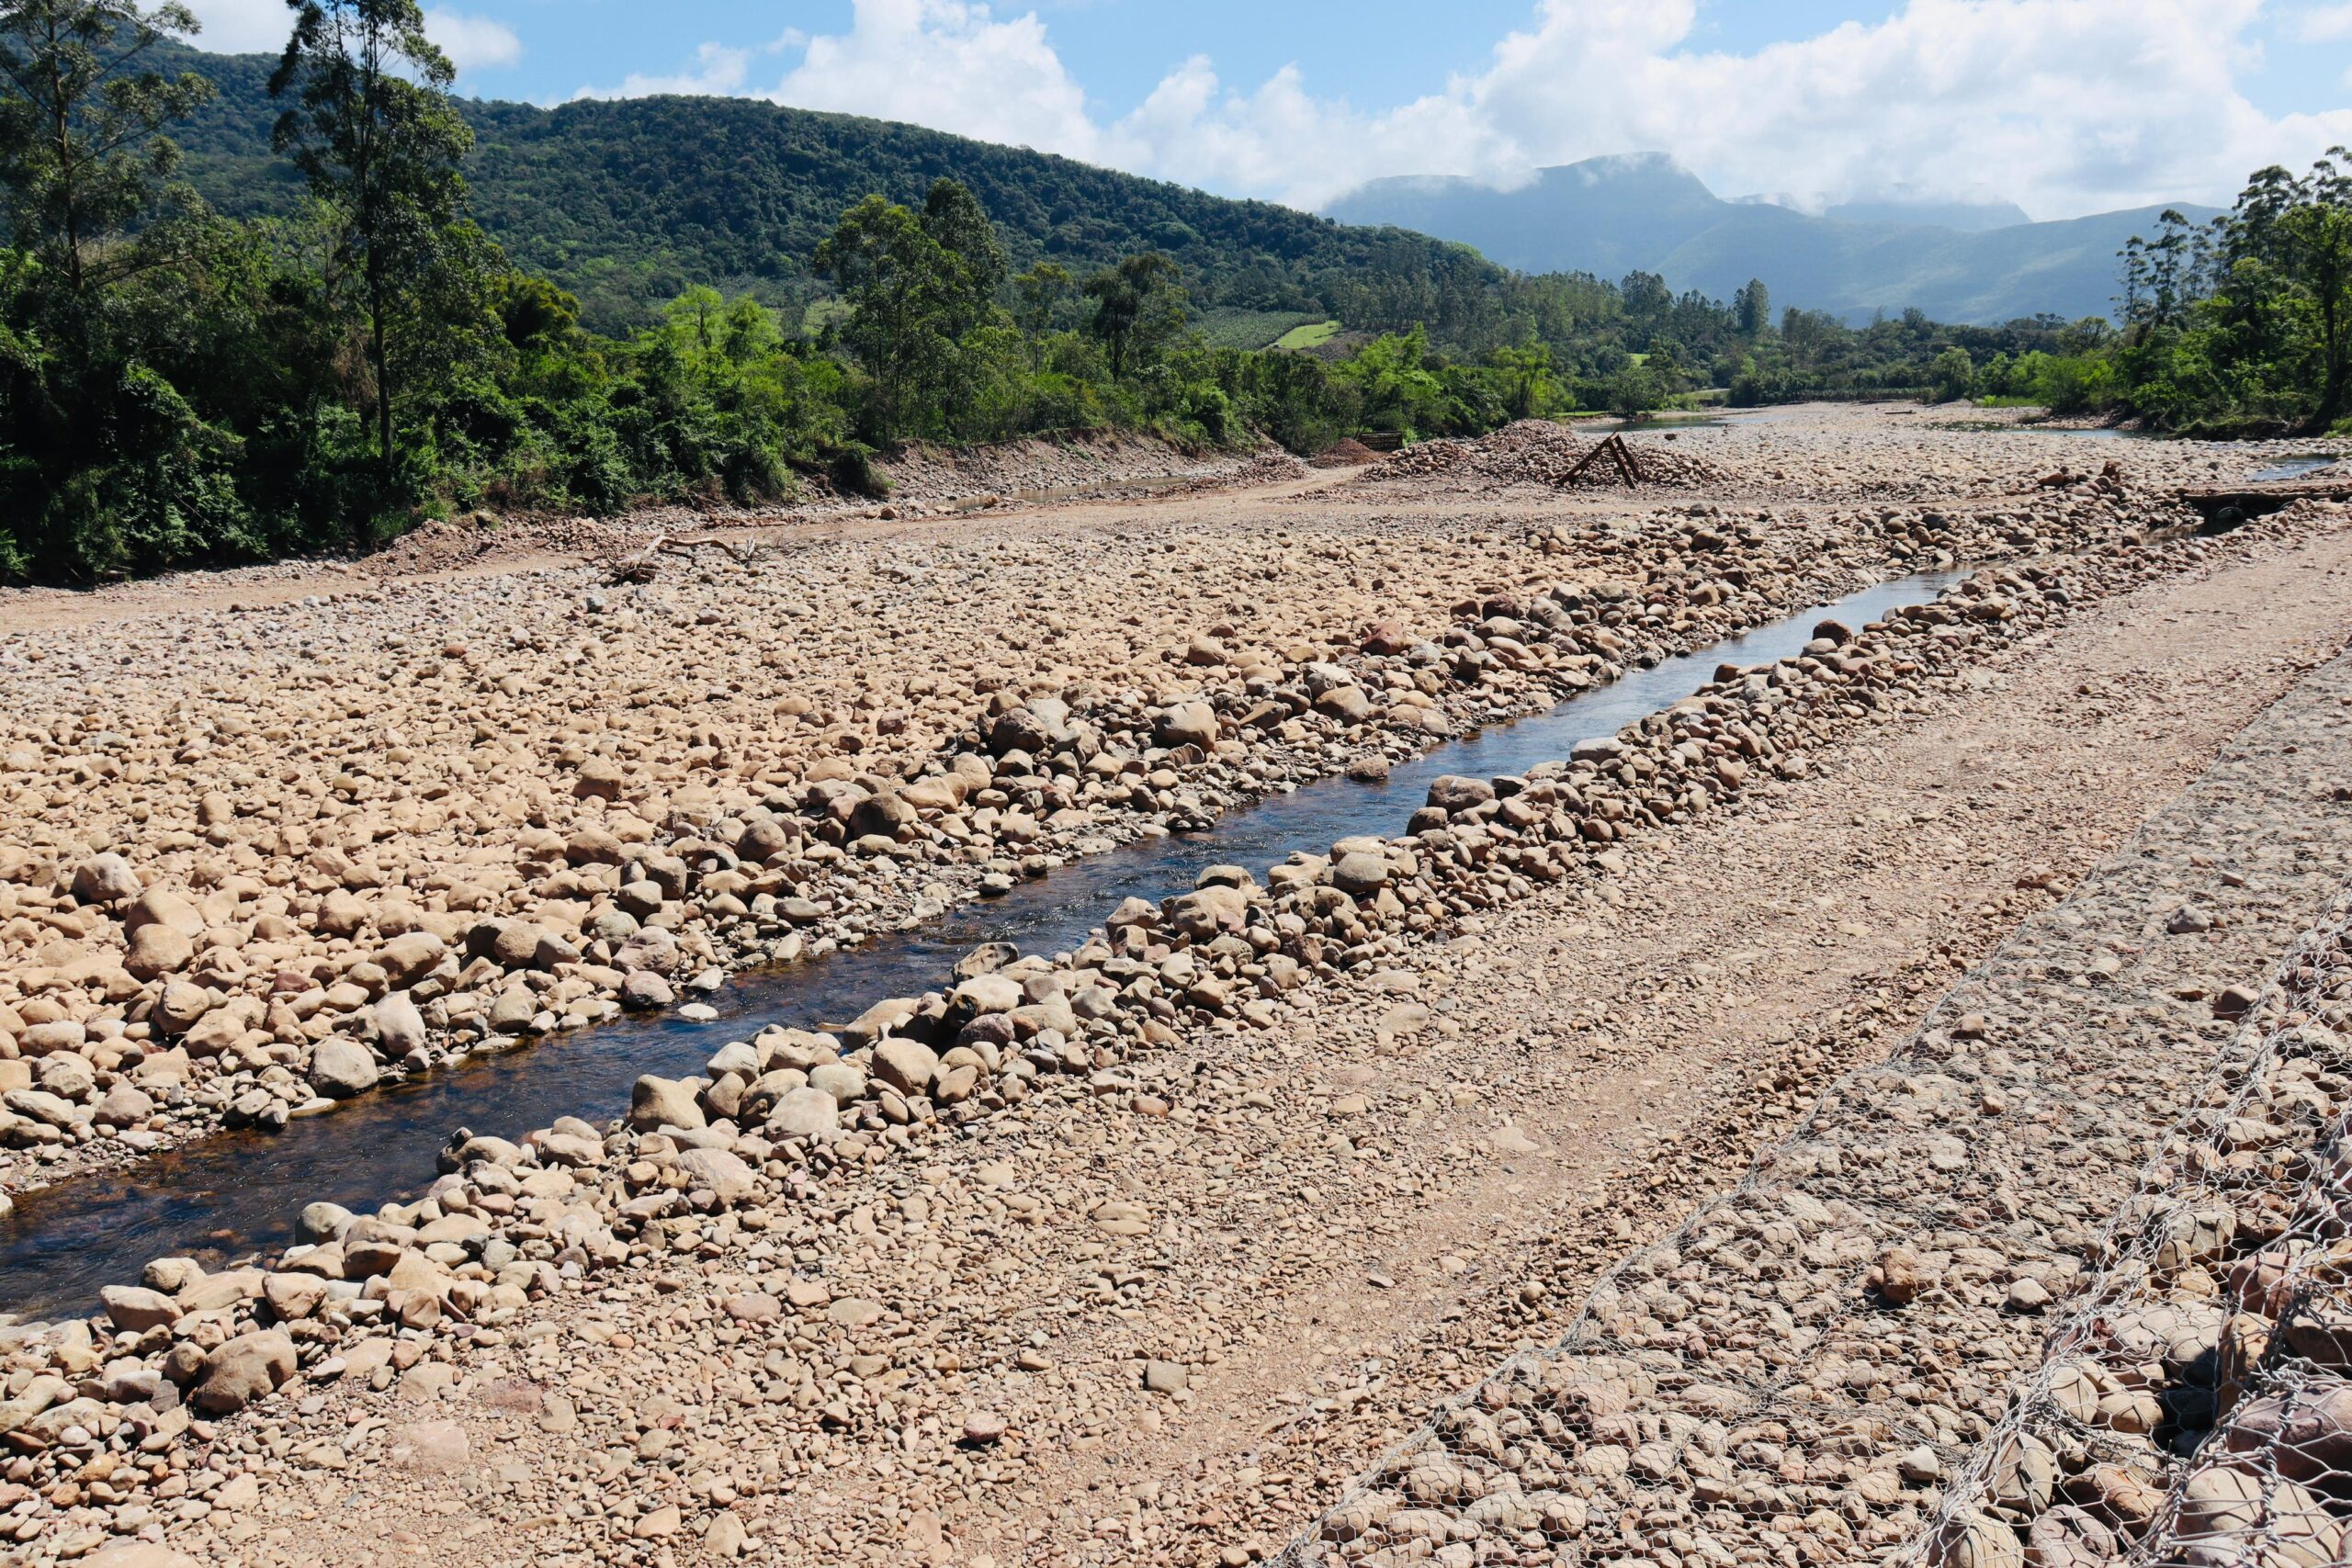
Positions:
(227, 1195)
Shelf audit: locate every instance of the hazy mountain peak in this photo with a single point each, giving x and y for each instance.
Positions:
(1973, 259)
(1969, 217)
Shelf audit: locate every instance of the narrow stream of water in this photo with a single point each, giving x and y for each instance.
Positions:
(2283, 469)
(2292, 468)
(229, 1195)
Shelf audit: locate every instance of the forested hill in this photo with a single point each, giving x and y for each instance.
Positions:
(629, 203)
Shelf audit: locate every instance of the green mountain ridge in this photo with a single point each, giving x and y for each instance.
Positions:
(627, 202)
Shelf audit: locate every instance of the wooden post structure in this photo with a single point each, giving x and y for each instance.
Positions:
(1620, 453)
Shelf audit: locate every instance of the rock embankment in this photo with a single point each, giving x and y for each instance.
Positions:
(924, 476)
(1538, 452)
(2195, 1405)
(483, 825)
(1798, 1372)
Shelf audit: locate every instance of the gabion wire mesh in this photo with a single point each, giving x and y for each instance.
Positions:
(1846, 1359)
(2187, 1408)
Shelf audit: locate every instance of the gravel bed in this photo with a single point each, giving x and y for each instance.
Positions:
(491, 816)
(571, 1209)
(1795, 1375)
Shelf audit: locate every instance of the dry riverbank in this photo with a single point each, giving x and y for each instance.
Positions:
(264, 859)
(1157, 1248)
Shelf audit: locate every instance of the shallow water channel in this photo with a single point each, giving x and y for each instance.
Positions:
(2283, 469)
(2286, 468)
(231, 1194)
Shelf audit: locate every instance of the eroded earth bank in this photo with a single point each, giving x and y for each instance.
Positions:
(1153, 1248)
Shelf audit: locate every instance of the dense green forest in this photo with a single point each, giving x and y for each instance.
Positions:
(255, 307)
(2242, 326)
(627, 203)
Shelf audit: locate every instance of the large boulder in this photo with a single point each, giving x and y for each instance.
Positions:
(156, 950)
(906, 1065)
(718, 1171)
(1188, 724)
(1348, 704)
(1455, 793)
(400, 1028)
(341, 1067)
(804, 1114)
(1019, 729)
(125, 1105)
(243, 1370)
(645, 991)
(886, 814)
(410, 957)
(1202, 914)
(223, 1026)
(989, 993)
(656, 1102)
(293, 1296)
(653, 947)
(372, 1246)
(179, 1006)
(845, 1081)
(135, 1309)
(105, 879)
(160, 906)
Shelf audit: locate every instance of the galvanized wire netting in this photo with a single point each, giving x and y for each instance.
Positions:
(1668, 1418)
(1848, 1356)
(2151, 1428)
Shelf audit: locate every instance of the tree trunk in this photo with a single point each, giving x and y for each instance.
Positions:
(2334, 349)
(383, 405)
(382, 360)
(62, 129)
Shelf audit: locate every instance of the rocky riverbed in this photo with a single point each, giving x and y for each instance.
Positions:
(310, 848)
(813, 1234)
(1803, 1365)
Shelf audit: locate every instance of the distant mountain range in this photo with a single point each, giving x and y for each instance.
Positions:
(1958, 261)
(627, 203)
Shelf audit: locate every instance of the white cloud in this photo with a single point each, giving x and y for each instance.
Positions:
(2068, 106)
(2065, 105)
(261, 26)
(944, 64)
(717, 72)
(472, 44)
(242, 27)
(948, 65)
(2326, 24)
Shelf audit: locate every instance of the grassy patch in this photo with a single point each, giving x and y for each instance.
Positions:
(1230, 326)
(1313, 336)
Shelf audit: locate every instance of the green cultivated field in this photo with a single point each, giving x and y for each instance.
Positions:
(1313, 336)
(1234, 327)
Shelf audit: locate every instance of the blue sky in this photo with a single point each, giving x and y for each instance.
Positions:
(2065, 106)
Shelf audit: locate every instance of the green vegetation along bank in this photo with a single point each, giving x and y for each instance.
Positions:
(356, 300)
(2238, 327)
